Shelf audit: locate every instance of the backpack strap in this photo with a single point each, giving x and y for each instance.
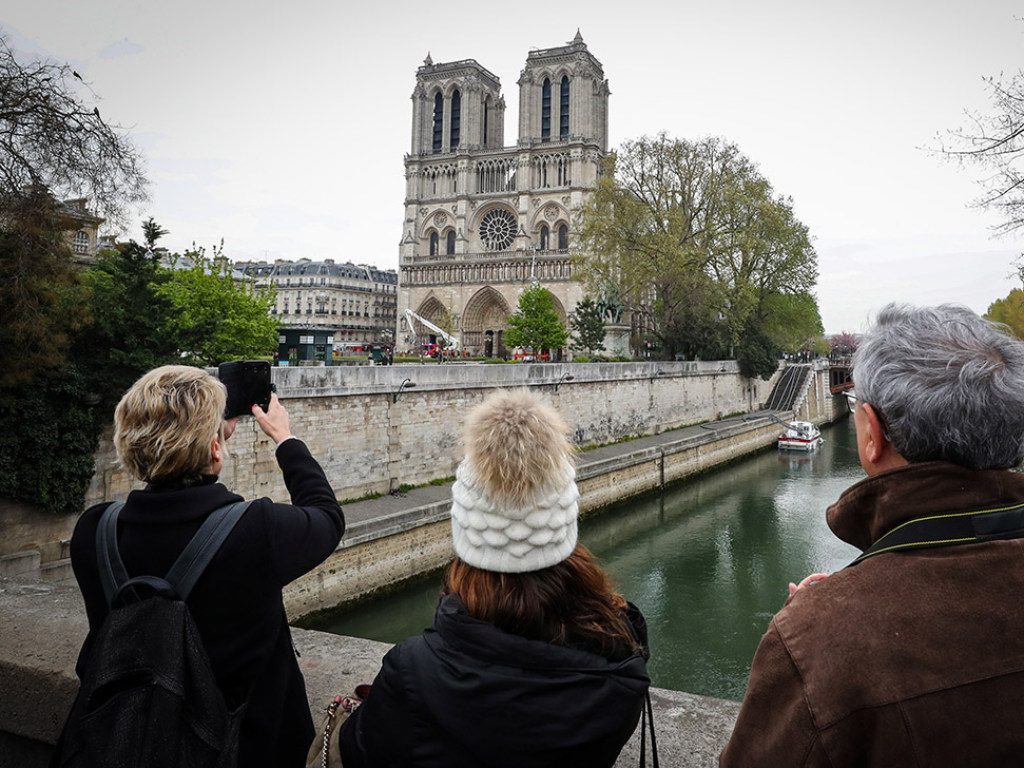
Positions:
(1006, 522)
(204, 545)
(112, 570)
(187, 569)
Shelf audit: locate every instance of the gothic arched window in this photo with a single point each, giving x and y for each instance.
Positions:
(456, 121)
(544, 234)
(563, 108)
(545, 111)
(563, 238)
(487, 113)
(450, 244)
(433, 243)
(438, 122)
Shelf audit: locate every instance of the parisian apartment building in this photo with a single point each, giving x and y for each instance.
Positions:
(351, 304)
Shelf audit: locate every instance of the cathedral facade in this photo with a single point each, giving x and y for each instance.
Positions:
(483, 221)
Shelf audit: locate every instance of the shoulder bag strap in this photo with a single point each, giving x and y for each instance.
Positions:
(1005, 522)
(193, 560)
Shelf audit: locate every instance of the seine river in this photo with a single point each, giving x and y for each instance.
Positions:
(707, 562)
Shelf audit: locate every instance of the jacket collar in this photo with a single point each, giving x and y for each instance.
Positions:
(157, 507)
(874, 506)
(483, 641)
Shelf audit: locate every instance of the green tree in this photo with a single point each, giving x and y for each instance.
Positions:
(756, 355)
(131, 324)
(792, 321)
(1009, 312)
(535, 323)
(587, 324)
(42, 297)
(52, 463)
(692, 230)
(213, 317)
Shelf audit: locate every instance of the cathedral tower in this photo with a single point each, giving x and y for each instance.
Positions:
(482, 220)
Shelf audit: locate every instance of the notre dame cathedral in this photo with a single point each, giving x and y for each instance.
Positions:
(484, 220)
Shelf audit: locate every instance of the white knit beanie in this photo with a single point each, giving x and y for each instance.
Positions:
(515, 501)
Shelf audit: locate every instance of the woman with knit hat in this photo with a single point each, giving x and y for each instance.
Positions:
(533, 659)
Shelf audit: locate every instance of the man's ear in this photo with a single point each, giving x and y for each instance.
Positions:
(216, 451)
(876, 440)
(878, 449)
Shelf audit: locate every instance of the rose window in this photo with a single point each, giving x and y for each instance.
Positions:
(498, 230)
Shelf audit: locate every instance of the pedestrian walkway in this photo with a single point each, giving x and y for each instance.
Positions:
(394, 505)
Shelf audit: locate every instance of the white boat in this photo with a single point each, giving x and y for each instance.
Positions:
(800, 436)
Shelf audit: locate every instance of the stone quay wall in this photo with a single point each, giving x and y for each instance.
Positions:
(373, 435)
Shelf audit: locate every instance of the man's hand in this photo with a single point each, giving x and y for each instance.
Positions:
(273, 421)
(814, 578)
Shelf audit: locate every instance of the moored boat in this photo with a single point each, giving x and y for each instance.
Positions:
(800, 436)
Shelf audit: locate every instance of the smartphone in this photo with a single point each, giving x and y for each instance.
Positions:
(248, 384)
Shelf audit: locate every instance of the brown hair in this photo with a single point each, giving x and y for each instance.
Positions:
(571, 603)
(165, 423)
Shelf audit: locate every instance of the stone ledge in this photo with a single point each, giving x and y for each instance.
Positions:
(44, 625)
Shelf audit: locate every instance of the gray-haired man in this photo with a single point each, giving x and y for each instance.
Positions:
(913, 656)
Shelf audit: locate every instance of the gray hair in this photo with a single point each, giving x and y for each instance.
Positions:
(948, 383)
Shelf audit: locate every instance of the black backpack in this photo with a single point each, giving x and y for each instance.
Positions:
(149, 697)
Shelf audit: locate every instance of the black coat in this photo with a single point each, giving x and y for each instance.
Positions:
(237, 602)
(465, 693)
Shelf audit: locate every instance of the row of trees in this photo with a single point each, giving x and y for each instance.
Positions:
(692, 236)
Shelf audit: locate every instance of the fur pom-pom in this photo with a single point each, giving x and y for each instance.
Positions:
(517, 443)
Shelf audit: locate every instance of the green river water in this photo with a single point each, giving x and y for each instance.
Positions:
(707, 561)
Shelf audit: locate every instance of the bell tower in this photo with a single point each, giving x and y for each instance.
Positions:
(563, 96)
(456, 105)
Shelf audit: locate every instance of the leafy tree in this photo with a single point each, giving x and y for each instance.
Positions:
(587, 324)
(1009, 312)
(694, 231)
(994, 143)
(131, 324)
(51, 139)
(535, 323)
(792, 321)
(213, 318)
(42, 298)
(756, 355)
(446, 323)
(52, 463)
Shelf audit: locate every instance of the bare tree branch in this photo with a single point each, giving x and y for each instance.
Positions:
(51, 139)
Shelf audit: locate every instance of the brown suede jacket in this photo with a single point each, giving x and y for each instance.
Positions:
(907, 659)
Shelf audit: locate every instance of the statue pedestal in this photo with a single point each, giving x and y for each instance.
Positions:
(616, 340)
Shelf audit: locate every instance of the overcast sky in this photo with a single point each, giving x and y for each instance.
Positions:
(281, 127)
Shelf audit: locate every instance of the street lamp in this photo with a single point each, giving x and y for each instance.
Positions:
(564, 377)
(406, 384)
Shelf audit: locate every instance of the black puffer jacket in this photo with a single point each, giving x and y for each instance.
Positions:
(465, 693)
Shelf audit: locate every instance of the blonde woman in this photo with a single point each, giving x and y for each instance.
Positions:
(169, 431)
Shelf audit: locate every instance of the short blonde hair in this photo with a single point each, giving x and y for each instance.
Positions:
(165, 424)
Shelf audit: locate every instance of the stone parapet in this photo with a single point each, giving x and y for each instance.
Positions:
(44, 625)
